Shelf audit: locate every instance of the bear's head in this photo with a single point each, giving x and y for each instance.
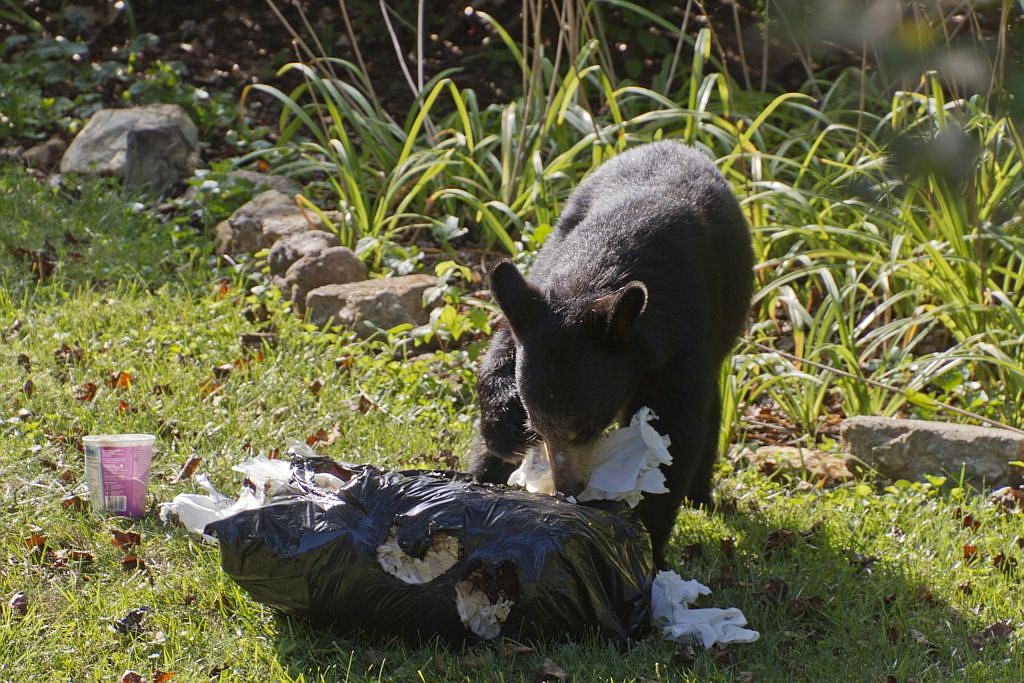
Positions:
(578, 365)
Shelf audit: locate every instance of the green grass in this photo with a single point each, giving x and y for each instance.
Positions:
(878, 257)
(870, 583)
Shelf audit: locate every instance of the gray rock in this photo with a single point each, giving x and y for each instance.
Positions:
(909, 449)
(156, 159)
(386, 303)
(243, 233)
(101, 146)
(287, 251)
(45, 155)
(335, 265)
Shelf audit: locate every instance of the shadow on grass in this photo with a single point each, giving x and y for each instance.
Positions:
(825, 610)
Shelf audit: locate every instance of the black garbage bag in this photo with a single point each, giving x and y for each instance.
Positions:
(419, 554)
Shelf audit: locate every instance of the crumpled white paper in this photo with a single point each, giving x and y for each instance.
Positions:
(624, 465)
(671, 596)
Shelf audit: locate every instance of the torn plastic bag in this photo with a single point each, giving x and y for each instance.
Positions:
(419, 554)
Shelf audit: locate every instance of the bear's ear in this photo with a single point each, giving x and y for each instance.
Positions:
(617, 313)
(521, 302)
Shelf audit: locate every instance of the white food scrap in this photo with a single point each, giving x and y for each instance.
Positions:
(481, 616)
(439, 558)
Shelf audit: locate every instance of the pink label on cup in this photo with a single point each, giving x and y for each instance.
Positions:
(117, 477)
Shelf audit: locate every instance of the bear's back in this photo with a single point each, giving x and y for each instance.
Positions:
(663, 214)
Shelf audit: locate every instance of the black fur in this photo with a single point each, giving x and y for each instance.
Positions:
(635, 299)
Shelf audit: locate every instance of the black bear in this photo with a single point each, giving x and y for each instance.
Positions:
(635, 299)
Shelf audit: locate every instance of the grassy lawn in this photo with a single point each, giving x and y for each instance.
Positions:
(864, 582)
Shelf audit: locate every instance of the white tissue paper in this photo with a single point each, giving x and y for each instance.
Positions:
(195, 511)
(624, 465)
(671, 596)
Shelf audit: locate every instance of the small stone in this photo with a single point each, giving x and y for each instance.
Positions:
(243, 232)
(46, 155)
(385, 303)
(290, 249)
(910, 449)
(334, 265)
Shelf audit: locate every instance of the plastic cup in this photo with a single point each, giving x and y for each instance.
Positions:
(117, 471)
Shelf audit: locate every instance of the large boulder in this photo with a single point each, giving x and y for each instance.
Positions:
(157, 159)
(385, 303)
(101, 146)
(287, 251)
(334, 265)
(910, 449)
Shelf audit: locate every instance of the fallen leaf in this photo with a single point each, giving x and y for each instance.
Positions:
(83, 556)
(131, 677)
(87, 392)
(133, 563)
(18, 603)
(222, 371)
(35, 542)
(322, 436)
(256, 340)
(999, 629)
(549, 671)
(69, 354)
(124, 407)
(188, 468)
(131, 623)
(799, 607)
(25, 362)
(365, 405)
(969, 522)
(125, 540)
(76, 503)
(162, 676)
(923, 594)
(315, 386)
(864, 563)
(725, 658)
(970, 552)
(777, 539)
(920, 638)
(28, 387)
(120, 380)
(775, 590)
(1003, 563)
(965, 587)
(209, 387)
